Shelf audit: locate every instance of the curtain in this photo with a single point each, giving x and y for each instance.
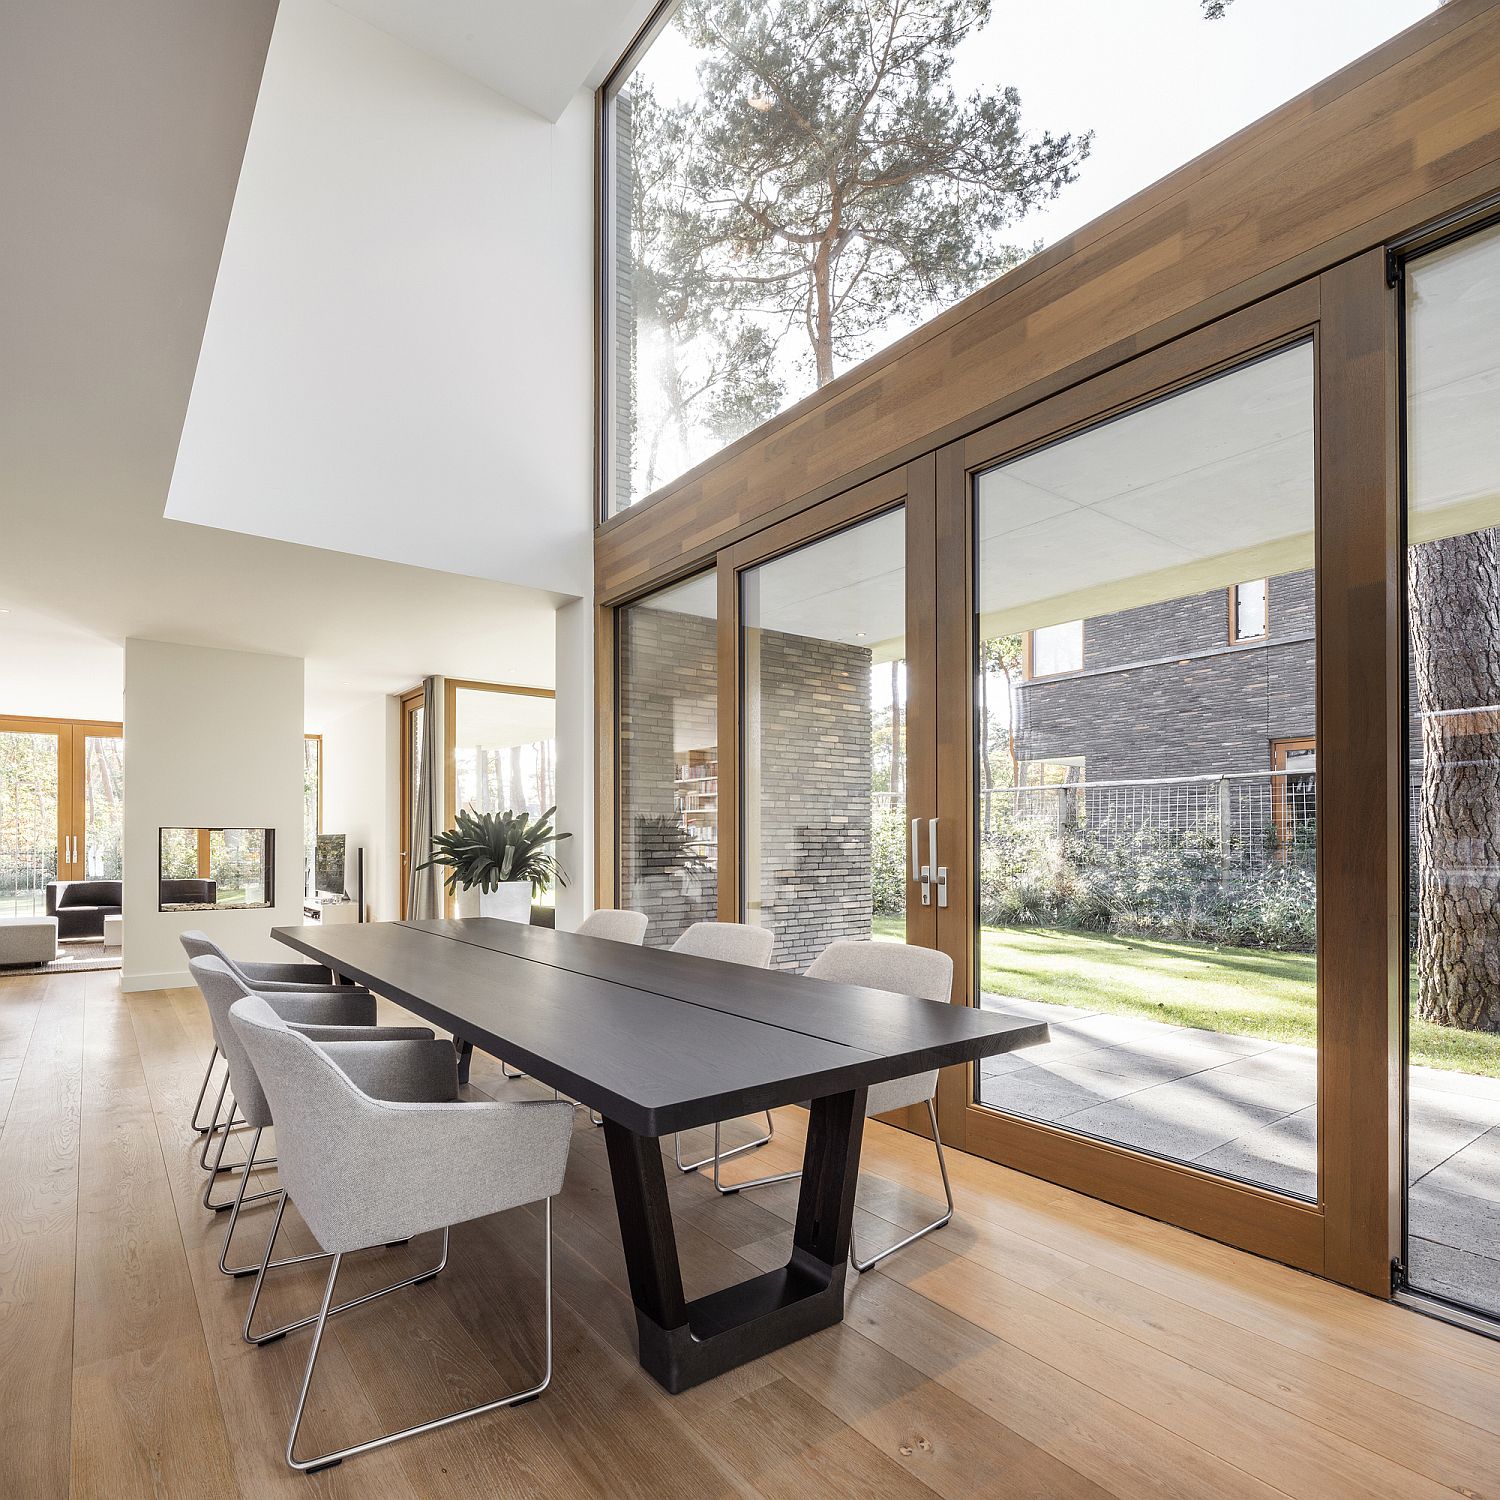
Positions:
(424, 893)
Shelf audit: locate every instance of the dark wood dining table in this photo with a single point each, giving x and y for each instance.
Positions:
(658, 1042)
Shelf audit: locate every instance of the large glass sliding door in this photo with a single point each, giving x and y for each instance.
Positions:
(1453, 749)
(824, 752)
(669, 807)
(62, 788)
(1146, 729)
(34, 845)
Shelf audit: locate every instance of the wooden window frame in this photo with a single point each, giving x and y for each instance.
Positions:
(1028, 664)
(1234, 611)
(1279, 752)
(72, 780)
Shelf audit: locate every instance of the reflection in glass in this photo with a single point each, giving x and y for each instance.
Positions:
(1147, 803)
(824, 650)
(668, 747)
(1453, 747)
(504, 751)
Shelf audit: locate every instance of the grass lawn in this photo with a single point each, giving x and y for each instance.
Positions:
(1244, 991)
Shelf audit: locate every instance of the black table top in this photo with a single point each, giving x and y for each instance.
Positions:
(658, 1041)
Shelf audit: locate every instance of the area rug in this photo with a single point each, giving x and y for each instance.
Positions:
(72, 958)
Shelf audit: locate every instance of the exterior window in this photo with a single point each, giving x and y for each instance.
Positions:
(1055, 649)
(1249, 611)
(788, 189)
(1294, 789)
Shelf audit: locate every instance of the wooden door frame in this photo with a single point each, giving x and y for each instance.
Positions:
(72, 792)
(1349, 316)
(911, 488)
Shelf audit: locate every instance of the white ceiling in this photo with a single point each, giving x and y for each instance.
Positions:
(398, 355)
(123, 141)
(539, 54)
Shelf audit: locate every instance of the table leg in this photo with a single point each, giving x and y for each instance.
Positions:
(684, 1343)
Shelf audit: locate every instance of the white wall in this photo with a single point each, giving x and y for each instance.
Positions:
(575, 758)
(212, 739)
(361, 790)
(398, 357)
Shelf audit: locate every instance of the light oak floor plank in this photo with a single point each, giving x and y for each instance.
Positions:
(1044, 1345)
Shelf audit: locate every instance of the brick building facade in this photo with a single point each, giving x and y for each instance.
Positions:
(1164, 692)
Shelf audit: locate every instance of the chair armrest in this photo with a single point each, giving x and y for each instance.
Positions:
(412, 1070)
(260, 972)
(51, 898)
(337, 1007)
(321, 1034)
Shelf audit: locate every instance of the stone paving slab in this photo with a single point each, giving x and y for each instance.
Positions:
(1248, 1107)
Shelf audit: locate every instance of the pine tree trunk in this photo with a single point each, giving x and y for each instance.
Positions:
(1455, 641)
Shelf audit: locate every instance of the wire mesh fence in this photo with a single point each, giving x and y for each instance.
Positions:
(1251, 818)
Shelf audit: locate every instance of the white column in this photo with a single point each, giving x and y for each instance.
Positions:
(575, 759)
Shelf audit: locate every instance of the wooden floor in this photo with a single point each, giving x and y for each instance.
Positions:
(1042, 1345)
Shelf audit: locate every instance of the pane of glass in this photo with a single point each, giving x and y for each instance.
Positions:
(791, 188)
(505, 754)
(1250, 609)
(1147, 838)
(1057, 648)
(668, 747)
(206, 868)
(312, 801)
(104, 806)
(1453, 744)
(824, 649)
(28, 821)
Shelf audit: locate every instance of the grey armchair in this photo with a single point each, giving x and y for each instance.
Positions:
(220, 987)
(923, 973)
(256, 975)
(731, 943)
(364, 1172)
(617, 926)
(427, 1070)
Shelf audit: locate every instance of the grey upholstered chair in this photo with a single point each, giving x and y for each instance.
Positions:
(257, 975)
(425, 1070)
(921, 972)
(364, 1172)
(341, 1005)
(617, 926)
(731, 943)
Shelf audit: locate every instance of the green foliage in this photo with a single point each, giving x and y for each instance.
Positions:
(486, 849)
(888, 862)
(1154, 883)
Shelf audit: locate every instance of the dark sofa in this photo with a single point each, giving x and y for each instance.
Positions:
(81, 906)
(192, 893)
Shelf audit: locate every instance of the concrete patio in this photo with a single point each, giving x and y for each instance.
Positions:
(1248, 1107)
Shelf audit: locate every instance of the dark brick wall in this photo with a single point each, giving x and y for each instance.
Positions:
(1162, 693)
(668, 686)
(811, 721)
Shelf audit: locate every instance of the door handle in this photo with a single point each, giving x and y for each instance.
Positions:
(920, 873)
(939, 872)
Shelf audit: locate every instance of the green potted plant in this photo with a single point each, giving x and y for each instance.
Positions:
(505, 857)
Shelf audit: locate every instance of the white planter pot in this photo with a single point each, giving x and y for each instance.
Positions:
(466, 901)
(510, 901)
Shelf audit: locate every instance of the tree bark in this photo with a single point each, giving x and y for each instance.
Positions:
(1455, 646)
